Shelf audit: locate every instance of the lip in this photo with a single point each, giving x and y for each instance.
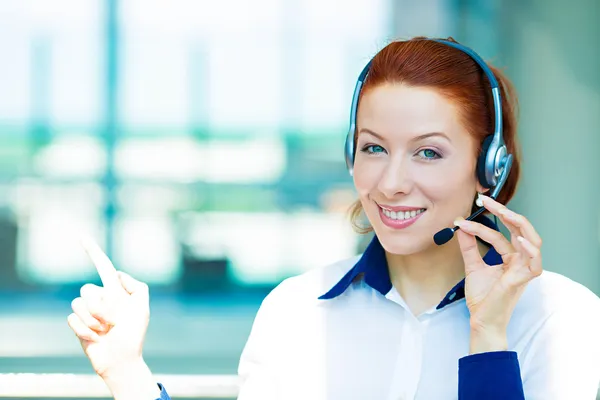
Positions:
(399, 224)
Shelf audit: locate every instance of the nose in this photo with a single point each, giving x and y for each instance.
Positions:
(396, 178)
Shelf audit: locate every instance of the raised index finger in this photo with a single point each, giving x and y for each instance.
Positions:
(106, 270)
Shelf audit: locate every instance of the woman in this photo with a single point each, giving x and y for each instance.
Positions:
(411, 318)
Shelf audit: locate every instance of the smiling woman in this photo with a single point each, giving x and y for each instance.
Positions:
(410, 318)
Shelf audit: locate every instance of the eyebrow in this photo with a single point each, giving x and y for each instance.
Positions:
(415, 139)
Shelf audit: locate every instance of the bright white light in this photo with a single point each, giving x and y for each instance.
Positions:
(204, 17)
(57, 15)
(71, 156)
(147, 248)
(358, 19)
(155, 81)
(187, 160)
(324, 101)
(258, 160)
(265, 247)
(53, 251)
(246, 87)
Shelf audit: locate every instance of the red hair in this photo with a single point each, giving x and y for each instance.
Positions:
(427, 63)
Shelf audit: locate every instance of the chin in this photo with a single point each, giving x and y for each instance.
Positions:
(402, 243)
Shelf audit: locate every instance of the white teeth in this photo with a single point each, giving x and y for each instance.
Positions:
(402, 215)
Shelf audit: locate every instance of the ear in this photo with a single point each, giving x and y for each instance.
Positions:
(481, 189)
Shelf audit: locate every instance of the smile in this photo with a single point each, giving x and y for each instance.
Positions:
(400, 219)
(401, 215)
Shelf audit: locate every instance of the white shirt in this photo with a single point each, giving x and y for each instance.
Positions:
(364, 343)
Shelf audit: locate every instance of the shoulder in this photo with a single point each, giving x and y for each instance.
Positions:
(308, 286)
(292, 301)
(555, 332)
(555, 297)
(555, 291)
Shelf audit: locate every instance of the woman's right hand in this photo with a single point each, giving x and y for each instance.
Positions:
(111, 321)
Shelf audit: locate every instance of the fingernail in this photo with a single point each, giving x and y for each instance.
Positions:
(520, 238)
(458, 221)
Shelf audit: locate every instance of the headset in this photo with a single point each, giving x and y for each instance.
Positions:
(494, 162)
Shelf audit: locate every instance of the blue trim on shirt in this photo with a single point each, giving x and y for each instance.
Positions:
(491, 376)
(373, 265)
(163, 393)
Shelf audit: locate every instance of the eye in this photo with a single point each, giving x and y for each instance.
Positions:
(373, 149)
(429, 154)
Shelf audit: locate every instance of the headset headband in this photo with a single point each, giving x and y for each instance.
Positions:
(496, 158)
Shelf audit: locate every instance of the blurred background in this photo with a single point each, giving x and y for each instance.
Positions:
(201, 143)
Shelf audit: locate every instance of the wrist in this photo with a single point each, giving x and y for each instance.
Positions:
(124, 368)
(488, 340)
(131, 380)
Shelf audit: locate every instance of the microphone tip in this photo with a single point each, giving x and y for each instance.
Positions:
(443, 236)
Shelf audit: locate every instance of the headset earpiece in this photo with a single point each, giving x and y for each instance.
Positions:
(481, 162)
(349, 150)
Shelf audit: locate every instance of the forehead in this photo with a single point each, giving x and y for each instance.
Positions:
(397, 108)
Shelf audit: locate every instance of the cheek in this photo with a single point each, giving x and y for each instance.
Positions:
(452, 182)
(437, 182)
(366, 175)
(440, 180)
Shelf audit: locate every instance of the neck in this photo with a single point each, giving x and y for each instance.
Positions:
(423, 279)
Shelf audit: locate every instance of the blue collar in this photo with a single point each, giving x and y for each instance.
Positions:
(374, 268)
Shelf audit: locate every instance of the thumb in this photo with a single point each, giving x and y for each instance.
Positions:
(133, 286)
(470, 251)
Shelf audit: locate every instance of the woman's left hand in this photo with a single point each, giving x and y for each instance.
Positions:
(492, 291)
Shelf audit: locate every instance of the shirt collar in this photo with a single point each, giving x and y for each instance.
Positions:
(374, 268)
